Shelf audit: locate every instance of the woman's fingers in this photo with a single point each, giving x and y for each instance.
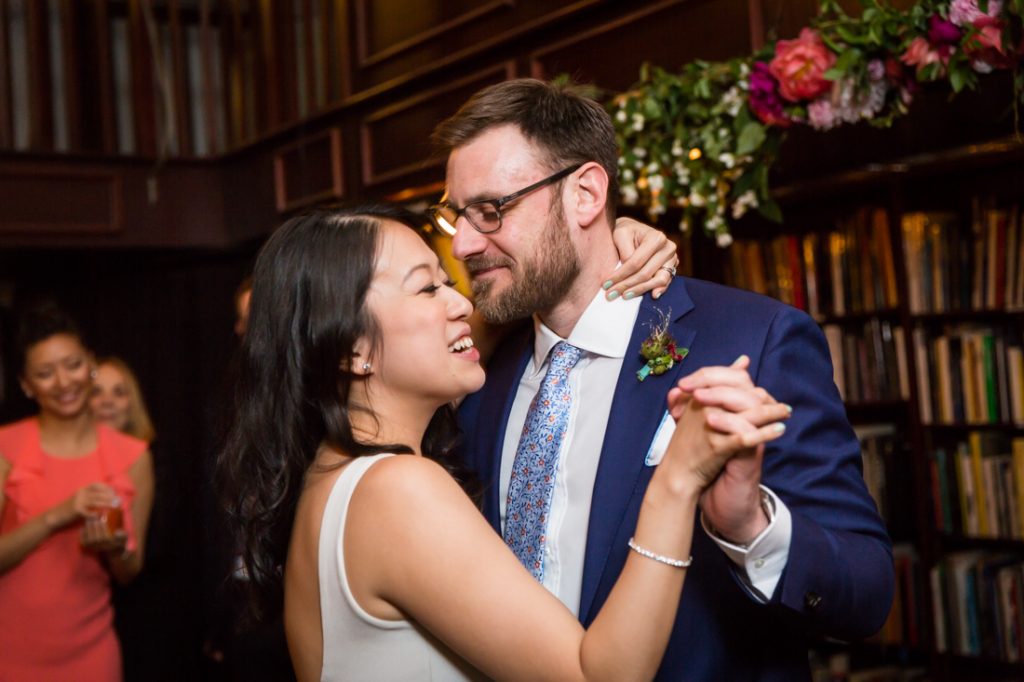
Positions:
(677, 402)
(706, 377)
(646, 255)
(730, 398)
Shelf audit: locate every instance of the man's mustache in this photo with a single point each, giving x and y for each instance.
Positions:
(475, 264)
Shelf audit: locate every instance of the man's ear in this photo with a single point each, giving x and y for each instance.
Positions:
(591, 193)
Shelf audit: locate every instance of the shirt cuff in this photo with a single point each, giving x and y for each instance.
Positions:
(760, 564)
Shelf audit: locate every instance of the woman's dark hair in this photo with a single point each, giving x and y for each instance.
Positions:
(39, 321)
(307, 310)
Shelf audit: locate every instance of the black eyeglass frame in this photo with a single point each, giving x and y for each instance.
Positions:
(436, 210)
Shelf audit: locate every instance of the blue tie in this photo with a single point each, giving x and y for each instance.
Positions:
(533, 471)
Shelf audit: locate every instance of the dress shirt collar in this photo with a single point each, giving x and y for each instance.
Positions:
(604, 329)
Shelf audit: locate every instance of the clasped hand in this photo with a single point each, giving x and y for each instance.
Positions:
(95, 535)
(722, 424)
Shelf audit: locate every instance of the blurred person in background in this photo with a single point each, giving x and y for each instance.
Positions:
(117, 400)
(74, 509)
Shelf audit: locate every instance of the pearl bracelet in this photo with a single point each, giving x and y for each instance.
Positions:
(676, 563)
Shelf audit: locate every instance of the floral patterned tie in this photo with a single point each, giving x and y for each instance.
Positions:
(533, 471)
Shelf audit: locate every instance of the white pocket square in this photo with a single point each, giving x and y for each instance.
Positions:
(661, 439)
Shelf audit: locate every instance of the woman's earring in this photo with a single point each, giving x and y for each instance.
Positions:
(366, 367)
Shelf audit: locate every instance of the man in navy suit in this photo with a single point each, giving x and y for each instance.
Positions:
(788, 547)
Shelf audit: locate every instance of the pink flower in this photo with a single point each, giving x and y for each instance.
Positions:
(920, 53)
(800, 65)
(821, 114)
(964, 12)
(986, 47)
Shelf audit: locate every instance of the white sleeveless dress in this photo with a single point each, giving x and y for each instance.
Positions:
(357, 646)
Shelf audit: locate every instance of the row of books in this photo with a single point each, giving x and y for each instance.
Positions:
(848, 270)
(904, 624)
(977, 486)
(978, 605)
(869, 365)
(969, 374)
(951, 266)
(200, 72)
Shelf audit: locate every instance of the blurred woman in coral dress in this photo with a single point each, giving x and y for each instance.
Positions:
(75, 502)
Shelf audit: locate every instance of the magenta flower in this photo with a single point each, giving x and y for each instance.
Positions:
(942, 32)
(764, 96)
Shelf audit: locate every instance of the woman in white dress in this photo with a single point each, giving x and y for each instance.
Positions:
(354, 518)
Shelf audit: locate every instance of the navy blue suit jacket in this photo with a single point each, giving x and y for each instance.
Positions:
(839, 576)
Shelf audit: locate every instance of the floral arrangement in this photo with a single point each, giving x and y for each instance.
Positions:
(659, 350)
(704, 139)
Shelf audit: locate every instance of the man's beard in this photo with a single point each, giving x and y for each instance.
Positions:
(538, 284)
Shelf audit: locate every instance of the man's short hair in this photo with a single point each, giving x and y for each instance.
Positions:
(565, 125)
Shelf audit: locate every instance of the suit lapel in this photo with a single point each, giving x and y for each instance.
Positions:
(637, 410)
(502, 383)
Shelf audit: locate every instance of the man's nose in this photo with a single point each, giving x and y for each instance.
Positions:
(467, 241)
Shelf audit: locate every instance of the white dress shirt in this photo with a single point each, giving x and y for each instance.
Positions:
(603, 334)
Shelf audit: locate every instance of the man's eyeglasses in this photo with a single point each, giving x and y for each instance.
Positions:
(485, 215)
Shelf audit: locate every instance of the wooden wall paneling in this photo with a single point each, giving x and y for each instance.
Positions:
(328, 56)
(234, 65)
(6, 109)
(104, 78)
(368, 55)
(668, 34)
(311, 60)
(40, 90)
(309, 171)
(70, 12)
(395, 140)
(785, 18)
(91, 201)
(757, 36)
(268, 74)
(143, 103)
(343, 75)
(210, 109)
(179, 80)
(284, 28)
(396, 42)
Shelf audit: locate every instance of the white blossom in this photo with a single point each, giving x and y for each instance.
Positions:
(732, 100)
(639, 152)
(684, 225)
(697, 199)
(638, 122)
(627, 175)
(629, 195)
(727, 159)
(723, 239)
(656, 183)
(621, 116)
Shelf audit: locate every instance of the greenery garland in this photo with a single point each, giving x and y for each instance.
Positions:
(704, 139)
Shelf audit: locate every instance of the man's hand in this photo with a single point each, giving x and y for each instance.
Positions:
(732, 504)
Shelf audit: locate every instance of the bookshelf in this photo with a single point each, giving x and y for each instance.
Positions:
(915, 271)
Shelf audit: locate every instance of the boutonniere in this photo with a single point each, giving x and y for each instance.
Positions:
(660, 350)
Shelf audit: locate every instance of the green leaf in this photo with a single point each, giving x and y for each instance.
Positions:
(770, 210)
(651, 108)
(750, 138)
(956, 79)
